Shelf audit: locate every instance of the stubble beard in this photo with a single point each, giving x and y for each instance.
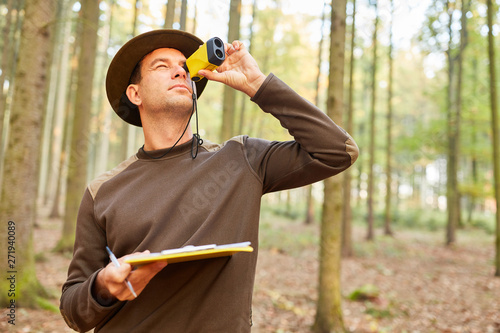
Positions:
(175, 110)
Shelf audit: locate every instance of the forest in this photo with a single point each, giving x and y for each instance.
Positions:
(406, 240)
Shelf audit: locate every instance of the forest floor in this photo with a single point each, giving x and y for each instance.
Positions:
(420, 285)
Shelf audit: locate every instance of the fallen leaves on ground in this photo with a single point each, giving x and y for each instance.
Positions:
(422, 285)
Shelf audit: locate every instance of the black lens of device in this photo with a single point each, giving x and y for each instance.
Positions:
(219, 54)
(218, 42)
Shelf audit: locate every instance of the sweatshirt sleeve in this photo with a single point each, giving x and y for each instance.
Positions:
(80, 310)
(320, 148)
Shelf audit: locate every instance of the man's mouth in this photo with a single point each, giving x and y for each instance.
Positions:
(177, 86)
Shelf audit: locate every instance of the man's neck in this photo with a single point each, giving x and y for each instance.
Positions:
(165, 133)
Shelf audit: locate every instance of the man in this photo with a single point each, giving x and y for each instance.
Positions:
(178, 190)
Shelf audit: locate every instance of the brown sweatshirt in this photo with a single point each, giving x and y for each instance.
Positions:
(157, 204)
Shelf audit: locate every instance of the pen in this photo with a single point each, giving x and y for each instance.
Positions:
(117, 264)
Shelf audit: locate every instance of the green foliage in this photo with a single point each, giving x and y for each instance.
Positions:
(45, 304)
(210, 111)
(379, 313)
(384, 246)
(367, 292)
(275, 232)
(431, 220)
(41, 257)
(483, 222)
(419, 219)
(287, 45)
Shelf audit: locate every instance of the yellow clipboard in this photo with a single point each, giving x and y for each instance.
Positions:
(189, 253)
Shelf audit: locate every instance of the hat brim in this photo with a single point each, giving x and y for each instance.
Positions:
(125, 60)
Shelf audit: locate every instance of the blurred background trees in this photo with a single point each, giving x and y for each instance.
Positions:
(419, 97)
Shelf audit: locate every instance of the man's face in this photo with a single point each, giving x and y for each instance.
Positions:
(164, 85)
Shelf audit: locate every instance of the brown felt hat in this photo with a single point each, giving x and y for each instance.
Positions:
(125, 60)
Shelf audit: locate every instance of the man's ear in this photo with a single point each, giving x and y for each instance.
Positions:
(133, 94)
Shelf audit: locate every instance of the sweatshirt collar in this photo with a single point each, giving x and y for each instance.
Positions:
(176, 151)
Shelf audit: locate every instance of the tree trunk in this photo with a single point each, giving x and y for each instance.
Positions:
(310, 199)
(77, 169)
(137, 7)
(453, 123)
(309, 206)
(227, 128)
(329, 308)
(169, 14)
(388, 195)
(183, 15)
(494, 128)
(6, 60)
(18, 204)
(8, 67)
(450, 193)
(458, 104)
(288, 204)
(65, 145)
(128, 131)
(47, 128)
(102, 149)
(371, 177)
(250, 47)
(52, 133)
(474, 139)
(347, 249)
(63, 105)
(195, 17)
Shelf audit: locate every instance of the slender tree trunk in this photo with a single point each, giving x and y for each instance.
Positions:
(227, 128)
(453, 144)
(77, 170)
(137, 7)
(310, 199)
(371, 177)
(495, 129)
(473, 139)
(183, 15)
(329, 316)
(131, 138)
(347, 249)
(102, 149)
(458, 104)
(169, 14)
(54, 212)
(52, 120)
(128, 131)
(54, 59)
(195, 17)
(6, 60)
(8, 69)
(18, 204)
(256, 126)
(309, 206)
(288, 204)
(65, 142)
(250, 49)
(388, 195)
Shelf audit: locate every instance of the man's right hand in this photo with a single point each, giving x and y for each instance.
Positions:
(110, 286)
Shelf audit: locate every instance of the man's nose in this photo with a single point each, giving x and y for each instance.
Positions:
(179, 71)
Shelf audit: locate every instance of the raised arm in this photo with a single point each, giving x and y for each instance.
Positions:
(320, 148)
